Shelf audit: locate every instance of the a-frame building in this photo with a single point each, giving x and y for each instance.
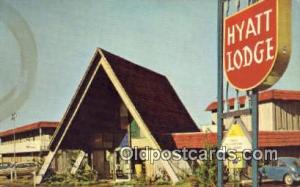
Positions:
(109, 83)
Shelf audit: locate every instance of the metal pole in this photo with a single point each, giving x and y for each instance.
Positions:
(220, 88)
(13, 118)
(255, 125)
(41, 144)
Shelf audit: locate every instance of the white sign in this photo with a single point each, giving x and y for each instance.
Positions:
(237, 137)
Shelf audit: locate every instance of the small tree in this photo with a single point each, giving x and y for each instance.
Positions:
(207, 170)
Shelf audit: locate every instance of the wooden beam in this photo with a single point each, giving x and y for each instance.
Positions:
(51, 154)
(133, 111)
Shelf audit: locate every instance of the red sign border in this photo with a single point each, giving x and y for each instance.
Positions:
(283, 37)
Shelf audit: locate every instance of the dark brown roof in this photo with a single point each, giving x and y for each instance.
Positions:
(151, 94)
(29, 127)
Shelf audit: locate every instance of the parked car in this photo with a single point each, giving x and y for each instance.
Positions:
(25, 168)
(285, 169)
(5, 165)
(5, 168)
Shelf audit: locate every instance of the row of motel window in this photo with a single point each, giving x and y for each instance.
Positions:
(27, 136)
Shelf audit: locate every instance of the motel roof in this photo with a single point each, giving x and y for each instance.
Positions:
(109, 77)
(29, 127)
(267, 139)
(153, 96)
(266, 96)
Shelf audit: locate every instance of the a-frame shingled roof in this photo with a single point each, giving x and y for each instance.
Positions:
(148, 96)
(153, 96)
(151, 93)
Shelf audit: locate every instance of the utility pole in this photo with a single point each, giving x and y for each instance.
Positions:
(13, 118)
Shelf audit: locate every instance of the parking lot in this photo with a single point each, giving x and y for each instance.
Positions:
(271, 184)
(268, 184)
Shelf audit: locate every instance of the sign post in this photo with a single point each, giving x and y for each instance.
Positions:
(256, 52)
(255, 125)
(220, 88)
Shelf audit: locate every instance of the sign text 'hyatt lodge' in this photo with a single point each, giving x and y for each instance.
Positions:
(257, 44)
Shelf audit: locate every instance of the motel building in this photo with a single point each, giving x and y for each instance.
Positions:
(279, 119)
(120, 104)
(28, 143)
(279, 122)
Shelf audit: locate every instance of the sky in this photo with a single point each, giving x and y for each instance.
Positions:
(175, 38)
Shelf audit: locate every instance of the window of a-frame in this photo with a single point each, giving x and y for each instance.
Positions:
(135, 130)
